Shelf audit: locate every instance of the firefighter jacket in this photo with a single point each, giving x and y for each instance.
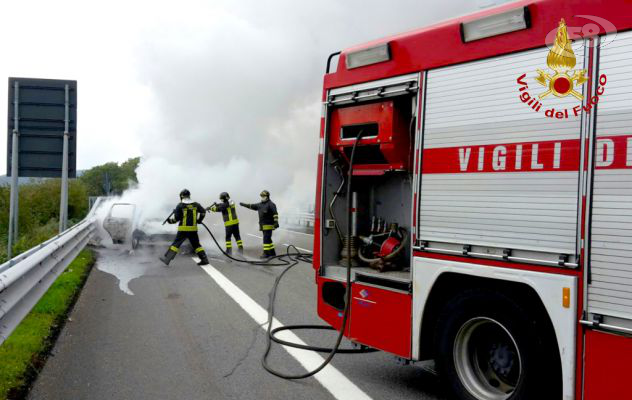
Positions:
(268, 216)
(188, 214)
(228, 210)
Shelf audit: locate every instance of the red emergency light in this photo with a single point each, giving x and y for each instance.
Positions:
(385, 140)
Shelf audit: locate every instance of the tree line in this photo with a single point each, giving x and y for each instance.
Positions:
(39, 202)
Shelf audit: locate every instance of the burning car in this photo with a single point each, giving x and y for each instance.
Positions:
(126, 224)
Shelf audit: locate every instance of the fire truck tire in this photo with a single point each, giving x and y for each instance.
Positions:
(491, 348)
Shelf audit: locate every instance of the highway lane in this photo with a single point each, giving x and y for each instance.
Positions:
(181, 335)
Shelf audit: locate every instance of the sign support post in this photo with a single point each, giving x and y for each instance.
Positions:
(13, 199)
(63, 204)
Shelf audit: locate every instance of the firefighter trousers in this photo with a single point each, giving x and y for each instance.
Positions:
(268, 245)
(193, 239)
(231, 231)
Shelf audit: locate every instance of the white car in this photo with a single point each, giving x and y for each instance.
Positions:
(126, 224)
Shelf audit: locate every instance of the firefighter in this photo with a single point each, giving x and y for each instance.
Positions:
(231, 222)
(187, 214)
(268, 221)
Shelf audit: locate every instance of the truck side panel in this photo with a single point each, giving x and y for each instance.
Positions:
(381, 318)
(549, 288)
(607, 372)
(610, 286)
(496, 171)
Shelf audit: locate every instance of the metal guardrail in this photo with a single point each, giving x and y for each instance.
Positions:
(298, 219)
(25, 278)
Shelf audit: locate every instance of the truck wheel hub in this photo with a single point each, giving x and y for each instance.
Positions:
(487, 359)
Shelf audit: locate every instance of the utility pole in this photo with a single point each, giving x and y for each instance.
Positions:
(107, 183)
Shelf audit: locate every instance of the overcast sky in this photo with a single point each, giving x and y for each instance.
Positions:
(226, 90)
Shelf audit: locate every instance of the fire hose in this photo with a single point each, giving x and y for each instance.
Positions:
(291, 259)
(400, 247)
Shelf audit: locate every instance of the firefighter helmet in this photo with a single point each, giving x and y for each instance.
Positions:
(224, 196)
(185, 194)
(264, 193)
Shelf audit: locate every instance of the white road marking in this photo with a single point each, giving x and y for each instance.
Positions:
(257, 236)
(332, 379)
(300, 233)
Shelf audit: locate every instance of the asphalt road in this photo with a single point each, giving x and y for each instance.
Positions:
(143, 331)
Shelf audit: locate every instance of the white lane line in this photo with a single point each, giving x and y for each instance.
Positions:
(332, 379)
(257, 236)
(298, 248)
(300, 233)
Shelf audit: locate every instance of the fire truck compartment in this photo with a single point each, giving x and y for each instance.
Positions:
(381, 191)
(383, 116)
(382, 203)
(495, 174)
(384, 128)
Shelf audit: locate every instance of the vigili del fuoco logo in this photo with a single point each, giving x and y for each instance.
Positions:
(561, 80)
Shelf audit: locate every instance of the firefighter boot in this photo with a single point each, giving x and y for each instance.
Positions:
(240, 249)
(203, 258)
(229, 250)
(169, 255)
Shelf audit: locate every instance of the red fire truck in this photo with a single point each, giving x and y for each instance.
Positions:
(491, 199)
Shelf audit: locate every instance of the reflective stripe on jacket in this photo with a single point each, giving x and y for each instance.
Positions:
(268, 216)
(228, 210)
(188, 216)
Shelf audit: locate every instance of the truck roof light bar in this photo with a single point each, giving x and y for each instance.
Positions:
(371, 55)
(497, 24)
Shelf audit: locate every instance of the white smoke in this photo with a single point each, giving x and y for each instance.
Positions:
(236, 90)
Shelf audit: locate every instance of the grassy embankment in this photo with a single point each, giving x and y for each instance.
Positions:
(23, 354)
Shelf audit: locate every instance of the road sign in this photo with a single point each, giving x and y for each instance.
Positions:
(42, 139)
(41, 123)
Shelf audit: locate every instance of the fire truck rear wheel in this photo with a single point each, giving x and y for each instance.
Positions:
(490, 348)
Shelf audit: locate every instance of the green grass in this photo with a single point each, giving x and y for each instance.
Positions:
(29, 239)
(23, 354)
